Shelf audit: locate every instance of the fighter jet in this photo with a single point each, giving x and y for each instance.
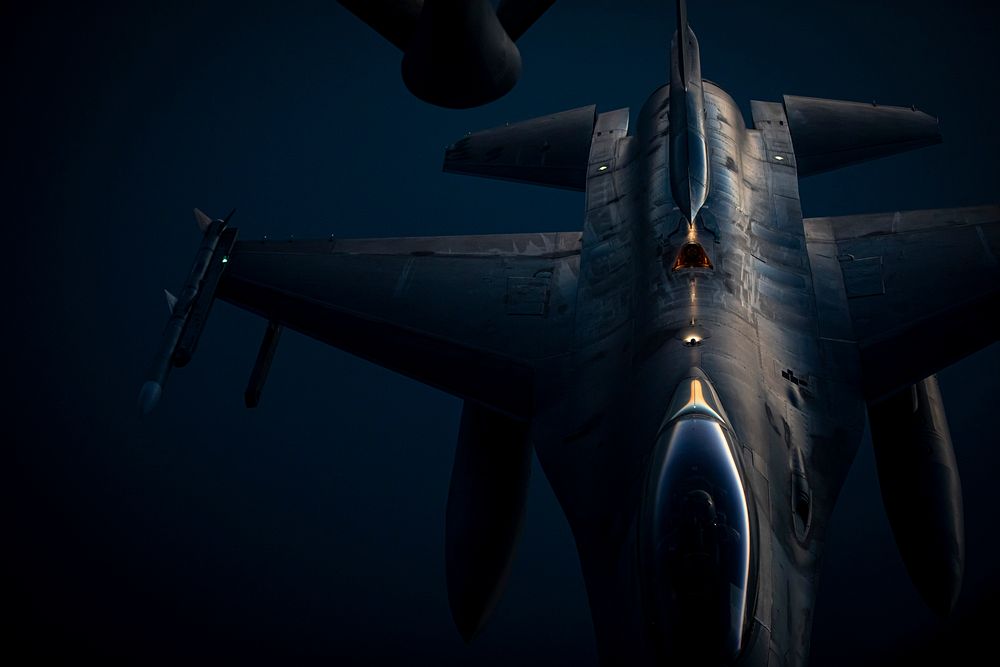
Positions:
(694, 367)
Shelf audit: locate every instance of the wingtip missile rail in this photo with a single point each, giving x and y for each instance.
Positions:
(190, 308)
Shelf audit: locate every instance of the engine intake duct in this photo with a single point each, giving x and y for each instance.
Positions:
(921, 490)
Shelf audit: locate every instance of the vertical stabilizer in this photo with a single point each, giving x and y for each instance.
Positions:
(683, 45)
(689, 179)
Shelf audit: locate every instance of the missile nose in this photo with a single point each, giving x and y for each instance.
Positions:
(149, 396)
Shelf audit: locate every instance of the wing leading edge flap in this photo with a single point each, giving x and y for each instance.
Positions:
(922, 288)
(476, 316)
(550, 150)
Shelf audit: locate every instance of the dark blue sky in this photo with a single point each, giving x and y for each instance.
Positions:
(314, 526)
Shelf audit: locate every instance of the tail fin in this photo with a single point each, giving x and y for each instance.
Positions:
(689, 175)
(683, 43)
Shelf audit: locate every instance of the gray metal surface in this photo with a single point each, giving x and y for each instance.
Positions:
(551, 150)
(829, 134)
(579, 345)
(689, 170)
(922, 287)
(443, 310)
(195, 299)
(921, 490)
(202, 304)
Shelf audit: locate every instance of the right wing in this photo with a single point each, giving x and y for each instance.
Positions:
(476, 316)
(922, 288)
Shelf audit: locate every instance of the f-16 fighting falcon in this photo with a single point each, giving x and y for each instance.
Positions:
(693, 368)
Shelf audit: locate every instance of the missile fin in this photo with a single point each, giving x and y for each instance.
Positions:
(171, 300)
(203, 220)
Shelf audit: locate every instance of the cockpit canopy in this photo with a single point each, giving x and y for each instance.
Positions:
(697, 546)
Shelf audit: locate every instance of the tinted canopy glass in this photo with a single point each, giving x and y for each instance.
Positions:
(698, 546)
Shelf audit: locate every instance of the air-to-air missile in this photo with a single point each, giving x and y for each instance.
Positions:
(189, 310)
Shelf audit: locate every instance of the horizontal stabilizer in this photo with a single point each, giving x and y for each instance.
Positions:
(829, 134)
(393, 19)
(550, 150)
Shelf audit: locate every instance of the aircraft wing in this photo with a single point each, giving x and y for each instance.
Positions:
(922, 288)
(476, 316)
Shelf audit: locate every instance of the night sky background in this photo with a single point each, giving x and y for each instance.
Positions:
(314, 525)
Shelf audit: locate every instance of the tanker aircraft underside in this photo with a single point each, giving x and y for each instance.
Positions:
(693, 369)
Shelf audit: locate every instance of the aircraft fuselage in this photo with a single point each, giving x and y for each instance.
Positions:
(693, 369)
(730, 296)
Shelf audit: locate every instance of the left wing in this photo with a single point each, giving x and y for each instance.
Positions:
(920, 289)
(476, 316)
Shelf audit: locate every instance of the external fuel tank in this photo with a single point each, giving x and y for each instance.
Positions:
(486, 506)
(921, 490)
